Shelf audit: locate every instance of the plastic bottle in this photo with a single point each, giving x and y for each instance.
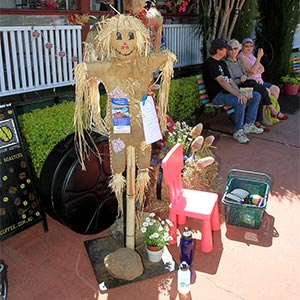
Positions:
(184, 278)
(186, 247)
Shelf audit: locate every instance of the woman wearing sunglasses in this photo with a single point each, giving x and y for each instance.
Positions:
(243, 79)
(254, 68)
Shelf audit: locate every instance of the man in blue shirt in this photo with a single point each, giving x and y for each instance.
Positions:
(221, 89)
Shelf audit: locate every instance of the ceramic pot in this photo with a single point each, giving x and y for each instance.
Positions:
(290, 89)
(154, 253)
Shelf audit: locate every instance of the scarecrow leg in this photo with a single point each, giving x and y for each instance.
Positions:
(130, 197)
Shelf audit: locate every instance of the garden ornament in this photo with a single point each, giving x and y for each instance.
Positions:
(125, 67)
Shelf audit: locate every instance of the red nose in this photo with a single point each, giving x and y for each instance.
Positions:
(124, 46)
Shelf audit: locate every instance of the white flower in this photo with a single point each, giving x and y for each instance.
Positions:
(169, 222)
(156, 231)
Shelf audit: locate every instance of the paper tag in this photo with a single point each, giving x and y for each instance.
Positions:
(150, 121)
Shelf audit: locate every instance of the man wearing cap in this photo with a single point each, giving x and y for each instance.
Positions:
(222, 90)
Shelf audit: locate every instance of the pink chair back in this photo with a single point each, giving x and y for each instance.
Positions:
(172, 165)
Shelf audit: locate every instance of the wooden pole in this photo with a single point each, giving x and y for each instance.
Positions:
(130, 197)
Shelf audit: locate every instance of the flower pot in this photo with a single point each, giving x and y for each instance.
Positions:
(290, 89)
(154, 253)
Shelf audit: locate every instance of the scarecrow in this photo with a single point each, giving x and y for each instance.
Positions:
(125, 67)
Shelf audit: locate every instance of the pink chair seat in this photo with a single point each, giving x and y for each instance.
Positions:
(187, 202)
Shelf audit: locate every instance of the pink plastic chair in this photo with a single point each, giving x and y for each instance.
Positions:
(187, 202)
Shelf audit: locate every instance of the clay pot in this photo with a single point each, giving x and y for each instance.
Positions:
(291, 89)
(154, 253)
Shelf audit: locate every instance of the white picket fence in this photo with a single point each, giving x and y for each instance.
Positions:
(43, 57)
(38, 57)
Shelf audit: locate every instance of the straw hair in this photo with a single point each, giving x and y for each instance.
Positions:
(117, 184)
(163, 96)
(142, 181)
(87, 114)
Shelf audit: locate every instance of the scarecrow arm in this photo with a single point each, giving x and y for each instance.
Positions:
(158, 59)
(95, 69)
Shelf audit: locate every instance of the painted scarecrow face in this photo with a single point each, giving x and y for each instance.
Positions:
(124, 43)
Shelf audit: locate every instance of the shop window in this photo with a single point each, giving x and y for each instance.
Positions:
(100, 5)
(39, 4)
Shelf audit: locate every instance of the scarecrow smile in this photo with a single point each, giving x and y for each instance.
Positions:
(126, 54)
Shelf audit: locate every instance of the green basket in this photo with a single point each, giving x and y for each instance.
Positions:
(246, 215)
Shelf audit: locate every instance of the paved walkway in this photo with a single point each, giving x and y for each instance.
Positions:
(245, 264)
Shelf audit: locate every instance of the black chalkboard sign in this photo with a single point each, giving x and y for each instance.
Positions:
(19, 207)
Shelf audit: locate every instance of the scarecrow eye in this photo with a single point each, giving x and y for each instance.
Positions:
(118, 36)
(130, 35)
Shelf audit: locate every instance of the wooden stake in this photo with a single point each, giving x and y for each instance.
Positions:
(130, 197)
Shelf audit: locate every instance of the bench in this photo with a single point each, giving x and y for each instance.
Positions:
(205, 100)
(214, 117)
(296, 62)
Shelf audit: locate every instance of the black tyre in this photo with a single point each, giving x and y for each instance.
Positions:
(78, 199)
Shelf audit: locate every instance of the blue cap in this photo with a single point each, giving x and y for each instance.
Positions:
(247, 40)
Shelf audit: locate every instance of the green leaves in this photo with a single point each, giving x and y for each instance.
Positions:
(184, 99)
(180, 135)
(43, 129)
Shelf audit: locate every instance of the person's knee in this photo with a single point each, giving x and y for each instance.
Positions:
(256, 96)
(275, 89)
(239, 106)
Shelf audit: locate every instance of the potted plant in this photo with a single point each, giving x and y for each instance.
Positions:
(290, 85)
(156, 235)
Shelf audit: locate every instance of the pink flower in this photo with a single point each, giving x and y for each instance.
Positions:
(181, 8)
(168, 4)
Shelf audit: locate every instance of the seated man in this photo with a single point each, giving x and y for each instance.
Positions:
(221, 89)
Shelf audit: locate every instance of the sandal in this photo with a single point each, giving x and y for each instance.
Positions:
(259, 125)
(283, 117)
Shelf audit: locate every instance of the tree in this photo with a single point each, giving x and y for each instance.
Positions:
(278, 30)
(219, 17)
(246, 21)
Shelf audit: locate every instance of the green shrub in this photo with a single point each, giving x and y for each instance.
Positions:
(184, 99)
(43, 129)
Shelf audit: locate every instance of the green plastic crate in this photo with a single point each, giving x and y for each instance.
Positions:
(246, 215)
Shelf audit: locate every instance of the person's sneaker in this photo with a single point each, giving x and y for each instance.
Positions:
(240, 136)
(251, 128)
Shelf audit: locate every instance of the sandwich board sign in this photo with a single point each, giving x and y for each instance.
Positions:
(19, 207)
